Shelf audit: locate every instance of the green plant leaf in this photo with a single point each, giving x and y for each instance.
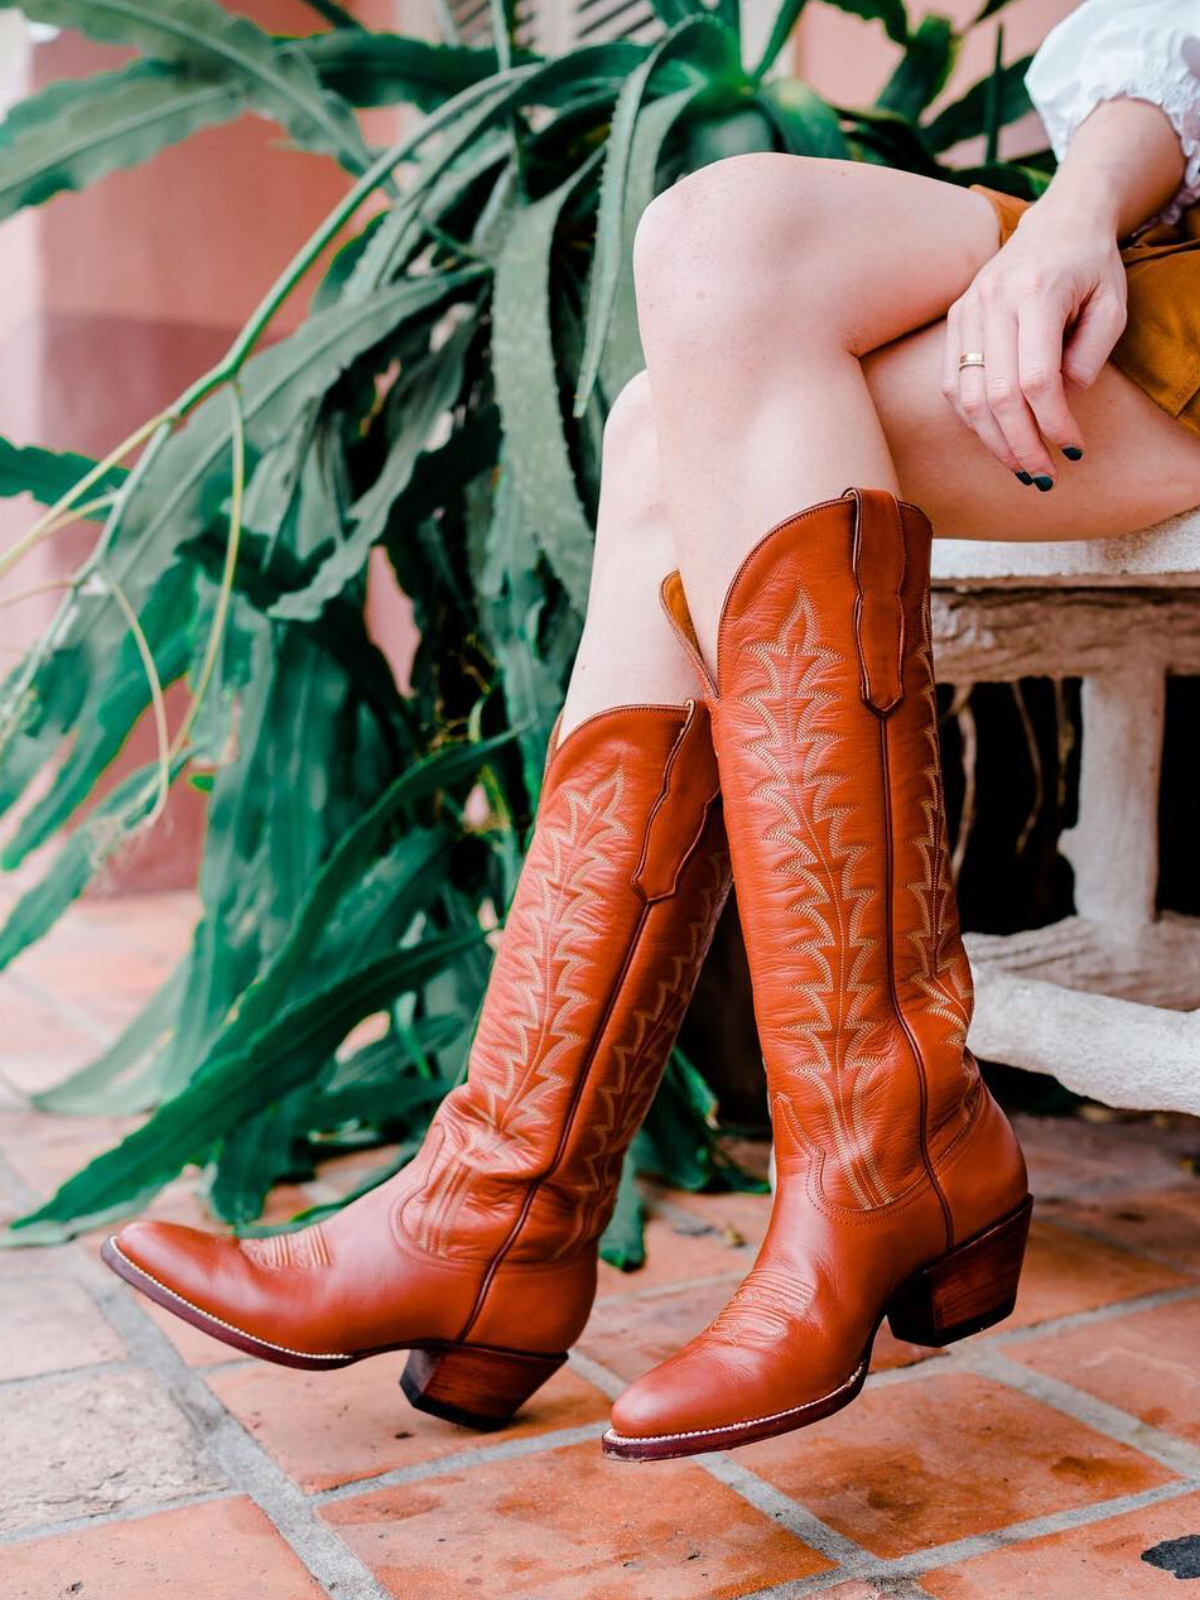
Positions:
(47, 475)
(276, 385)
(786, 18)
(515, 598)
(78, 860)
(253, 1157)
(968, 118)
(806, 124)
(927, 63)
(446, 769)
(111, 1084)
(694, 37)
(386, 1105)
(383, 69)
(464, 120)
(623, 1243)
(1010, 177)
(200, 36)
(622, 356)
(720, 135)
(423, 396)
(891, 13)
(76, 131)
(890, 140)
(526, 376)
(334, 14)
(117, 696)
(233, 1086)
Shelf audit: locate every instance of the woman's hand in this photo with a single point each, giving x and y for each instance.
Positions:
(1045, 312)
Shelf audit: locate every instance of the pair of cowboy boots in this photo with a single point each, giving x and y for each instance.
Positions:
(901, 1189)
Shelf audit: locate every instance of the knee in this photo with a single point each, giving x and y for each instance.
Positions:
(629, 439)
(632, 531)
(709, 251)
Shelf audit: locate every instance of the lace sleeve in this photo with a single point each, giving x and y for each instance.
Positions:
(1145, 49)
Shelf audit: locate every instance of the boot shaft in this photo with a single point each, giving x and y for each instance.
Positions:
(825, 725)
(625, 876)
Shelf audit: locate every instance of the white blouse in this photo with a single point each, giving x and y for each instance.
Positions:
(1146, 49)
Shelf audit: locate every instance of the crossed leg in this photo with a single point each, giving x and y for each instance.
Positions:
(791, 315)
(792, 318)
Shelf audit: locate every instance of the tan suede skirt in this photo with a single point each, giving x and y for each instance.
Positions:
(1160, 347)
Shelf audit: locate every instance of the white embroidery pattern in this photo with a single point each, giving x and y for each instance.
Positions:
(943, 974)
(525, 1052)
(763, 1310)
(303, 1251)
(629, 1082)
(804, 788)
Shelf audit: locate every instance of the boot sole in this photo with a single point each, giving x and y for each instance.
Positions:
(476, 1386)
(972, 1287)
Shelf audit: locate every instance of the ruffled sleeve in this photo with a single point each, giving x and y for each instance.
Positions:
(1105, 49)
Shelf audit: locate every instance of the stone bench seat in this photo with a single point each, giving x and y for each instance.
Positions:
(1108, 1000)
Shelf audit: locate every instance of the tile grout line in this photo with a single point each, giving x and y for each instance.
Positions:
(854, 1561)
(781, 1509)
(251, 1471)
(956, 1360)
(1122, 1427)
(248, 1468)
(460, 1461)
(100, 1519)
(918, 1563)
(68, 1010)
(1085, 1230)
(87, 1369)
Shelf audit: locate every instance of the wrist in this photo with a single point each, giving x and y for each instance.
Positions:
(1084, 202)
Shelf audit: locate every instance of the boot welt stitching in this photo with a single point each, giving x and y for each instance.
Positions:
(309, 1355)
(735, 1427)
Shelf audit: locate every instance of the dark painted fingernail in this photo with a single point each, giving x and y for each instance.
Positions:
(1043, 482)
(1023, 477)
(1072, 452)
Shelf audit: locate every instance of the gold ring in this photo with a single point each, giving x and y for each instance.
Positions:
(970, 358)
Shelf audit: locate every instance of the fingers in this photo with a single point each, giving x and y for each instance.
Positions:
(1091, 340)
(1017, 402)
(965, 387)
(1010, 406)
(1039, 357)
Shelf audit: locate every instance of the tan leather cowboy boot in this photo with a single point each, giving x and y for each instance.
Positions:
(901, 1188)
(480, 1256)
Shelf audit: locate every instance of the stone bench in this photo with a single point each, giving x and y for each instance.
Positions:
(1107, 1000)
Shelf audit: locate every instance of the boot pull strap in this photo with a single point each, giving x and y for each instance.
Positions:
(878, 558)
(674, 603)
(679, 816)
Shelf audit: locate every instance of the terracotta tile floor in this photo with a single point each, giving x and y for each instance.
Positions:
(1055, 1458)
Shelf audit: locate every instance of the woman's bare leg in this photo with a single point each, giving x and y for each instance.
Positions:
(628, 654)
(778, 298)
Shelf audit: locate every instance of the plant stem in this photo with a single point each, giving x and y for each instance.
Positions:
(221, 612)
(54, 517)
(161, 734)
(235, 357)
(102, 502)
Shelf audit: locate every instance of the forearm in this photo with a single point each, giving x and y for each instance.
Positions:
(1123, 165)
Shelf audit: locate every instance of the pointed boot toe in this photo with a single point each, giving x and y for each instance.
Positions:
(218, 1284)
